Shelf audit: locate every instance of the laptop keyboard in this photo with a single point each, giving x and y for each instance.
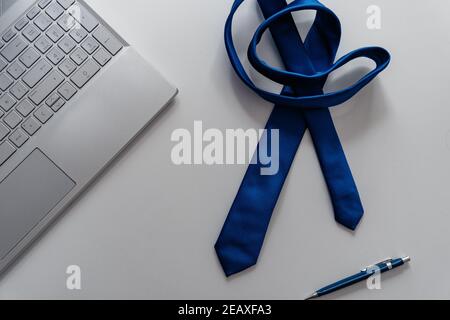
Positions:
(46, 57)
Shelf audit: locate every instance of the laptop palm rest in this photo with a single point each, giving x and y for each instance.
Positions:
(27, 195)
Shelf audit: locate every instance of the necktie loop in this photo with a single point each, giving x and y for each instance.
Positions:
(319, 48)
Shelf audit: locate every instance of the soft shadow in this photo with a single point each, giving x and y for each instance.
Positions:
(247, 100)
(364, 111)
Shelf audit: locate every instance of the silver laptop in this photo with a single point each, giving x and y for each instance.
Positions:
(73, 95)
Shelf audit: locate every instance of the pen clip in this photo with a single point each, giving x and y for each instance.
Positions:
(387, 261)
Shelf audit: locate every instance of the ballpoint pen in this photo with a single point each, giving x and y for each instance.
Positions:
(364, 274)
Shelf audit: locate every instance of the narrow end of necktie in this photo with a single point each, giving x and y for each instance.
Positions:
(349, 211)
(233, 259)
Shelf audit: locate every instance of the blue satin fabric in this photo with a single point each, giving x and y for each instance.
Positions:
(301, 105)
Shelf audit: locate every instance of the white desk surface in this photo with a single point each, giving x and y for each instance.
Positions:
(146, 229)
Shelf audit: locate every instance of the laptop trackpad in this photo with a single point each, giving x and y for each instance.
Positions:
(27, 195)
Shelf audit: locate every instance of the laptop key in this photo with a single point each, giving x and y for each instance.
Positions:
(33, 13)
(15, 70)
(43, 44)
(85, 73)
(55, 33)
(19, 90)
(5, 81)
(54, 10)
(37, 73)
(47, 86)
(21, 23)
(12, 119)
(6, 151)
(55, 55)
(90, 45)
(78, 34)
(67, 91)
(18, 138)
(67, 44)
(3, 64)
(4, 131)
(7, 102)
(52, 99)
(102, 57)
(79, 56)
(25, 108)
(14, 48)
(66, 22)
(29, 57)
(66, 3)
(67, 67)
(44, 3)
(31, 126)
(83, 16)
(43, 21)
(9, 35)
(31, 33)
(43, 114)
(58, 105)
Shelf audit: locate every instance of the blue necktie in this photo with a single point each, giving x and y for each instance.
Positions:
(301, 105)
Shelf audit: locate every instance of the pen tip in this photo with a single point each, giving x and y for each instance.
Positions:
(313, 296)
